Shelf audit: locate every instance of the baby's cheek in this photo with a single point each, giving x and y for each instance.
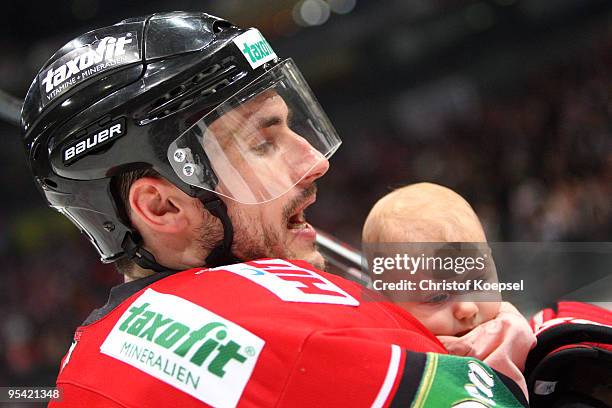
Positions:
(440, 323)
(488, 310)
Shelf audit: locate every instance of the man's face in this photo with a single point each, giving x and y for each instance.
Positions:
(256, 155)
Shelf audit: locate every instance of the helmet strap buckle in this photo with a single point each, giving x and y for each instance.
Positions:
(132, 245)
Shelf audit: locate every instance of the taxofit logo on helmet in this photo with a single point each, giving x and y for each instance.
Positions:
(86, 61)
(255, 48)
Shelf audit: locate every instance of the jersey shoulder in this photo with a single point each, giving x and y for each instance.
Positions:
(264, 280)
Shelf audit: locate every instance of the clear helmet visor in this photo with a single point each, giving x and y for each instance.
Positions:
(260, 142)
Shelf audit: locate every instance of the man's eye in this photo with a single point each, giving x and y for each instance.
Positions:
(438, 298)
(263, 147)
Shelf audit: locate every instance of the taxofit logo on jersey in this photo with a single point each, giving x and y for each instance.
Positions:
(290, 282)
(95, 138)
(186, 346)
(85, 62)
(255, 48)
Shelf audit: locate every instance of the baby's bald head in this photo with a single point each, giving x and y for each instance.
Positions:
(422, 212)
(428, 213)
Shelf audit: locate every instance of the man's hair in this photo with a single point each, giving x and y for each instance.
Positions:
(121, 185)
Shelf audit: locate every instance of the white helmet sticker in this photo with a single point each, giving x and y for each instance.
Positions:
(255, 48)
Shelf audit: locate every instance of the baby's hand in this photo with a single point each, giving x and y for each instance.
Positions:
(503, 343)
(508, 333)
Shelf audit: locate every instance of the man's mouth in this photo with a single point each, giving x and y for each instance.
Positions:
(297, 219)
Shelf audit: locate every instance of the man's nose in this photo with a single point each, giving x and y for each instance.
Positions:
(465, 311)
(318, 170)
(310, 163)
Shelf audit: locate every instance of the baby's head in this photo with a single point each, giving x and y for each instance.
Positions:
(426, 212)
(423, 212)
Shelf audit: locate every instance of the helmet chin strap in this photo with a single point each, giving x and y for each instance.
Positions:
(132, 245)
(222, 254)
(219, 256)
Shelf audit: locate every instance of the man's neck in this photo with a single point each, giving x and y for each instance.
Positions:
(137, 273)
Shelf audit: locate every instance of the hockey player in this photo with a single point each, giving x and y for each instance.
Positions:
(182, 142)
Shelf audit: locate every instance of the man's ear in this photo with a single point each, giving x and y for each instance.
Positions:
(159, 205)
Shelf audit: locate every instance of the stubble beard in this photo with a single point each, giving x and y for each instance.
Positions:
(254, 239)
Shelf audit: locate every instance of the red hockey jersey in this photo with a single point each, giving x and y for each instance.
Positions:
(261, 334)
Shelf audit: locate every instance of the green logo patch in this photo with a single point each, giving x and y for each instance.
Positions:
(461, 382)
(186, 346)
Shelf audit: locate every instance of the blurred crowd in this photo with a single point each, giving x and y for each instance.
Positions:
(535, 162)
(44, 298)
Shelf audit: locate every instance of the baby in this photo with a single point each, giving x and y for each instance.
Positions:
(494, 332)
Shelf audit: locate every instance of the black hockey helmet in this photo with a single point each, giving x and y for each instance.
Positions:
(176, 92)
